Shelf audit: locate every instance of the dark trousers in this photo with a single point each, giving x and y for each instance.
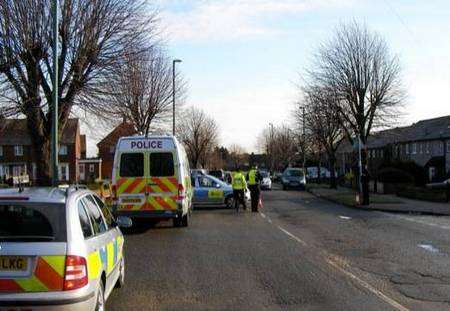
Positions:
(238, 196)
(254, 193)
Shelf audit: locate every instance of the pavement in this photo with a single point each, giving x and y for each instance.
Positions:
(300, 253)
(388, 203)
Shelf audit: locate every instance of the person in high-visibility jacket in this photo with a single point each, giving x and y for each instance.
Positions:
(239, 185)
(254, 178)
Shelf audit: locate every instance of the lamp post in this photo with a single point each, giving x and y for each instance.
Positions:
(173, 93)
(55, 96)
(271, 147)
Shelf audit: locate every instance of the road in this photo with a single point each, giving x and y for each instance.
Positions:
(300, 253)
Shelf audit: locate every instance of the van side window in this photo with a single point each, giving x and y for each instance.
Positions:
(84, 221)
(98, 223)
(161, 164)
(131, 165)
(105, 210)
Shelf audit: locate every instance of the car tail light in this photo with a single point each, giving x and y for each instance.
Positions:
(181, 192)
(76, 273)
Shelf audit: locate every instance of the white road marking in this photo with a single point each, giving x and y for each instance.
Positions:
(262, 215)
(345, 217)
(269, 220)
(367, 286)
(428, 247)
(293, 236)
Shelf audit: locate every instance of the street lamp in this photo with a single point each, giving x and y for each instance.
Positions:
(55, 96)
(173, 93)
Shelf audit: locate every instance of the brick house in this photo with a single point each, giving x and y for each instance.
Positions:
(107, 147)
(90, 170)
(426, 142)
(17, 157)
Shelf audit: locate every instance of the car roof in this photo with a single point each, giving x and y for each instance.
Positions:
(38, 194)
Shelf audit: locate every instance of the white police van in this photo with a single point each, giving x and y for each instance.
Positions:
(151, 179)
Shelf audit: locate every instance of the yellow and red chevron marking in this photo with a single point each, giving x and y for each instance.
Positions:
(131, 185)
(163, 184)
(48, 276)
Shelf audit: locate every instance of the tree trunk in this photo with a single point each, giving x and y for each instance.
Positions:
(333, 183)
(365, 179)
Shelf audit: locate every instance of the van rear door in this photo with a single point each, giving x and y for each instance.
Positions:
(33, 241)
(131, 185)
(163, 181)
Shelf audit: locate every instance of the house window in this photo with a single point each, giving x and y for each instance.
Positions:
(18, 150)
(420, 148)
(63, 171)
(407, 148)
(428, 147)
(448, 146)
(112, 149)
(414, 148)
(1, 151)
(63, 150)
(91, 168)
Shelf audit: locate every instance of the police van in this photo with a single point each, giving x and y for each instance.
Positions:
(151, 179)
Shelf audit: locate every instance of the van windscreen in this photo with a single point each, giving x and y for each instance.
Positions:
(131, 165)
(161, 164)
(32, 223)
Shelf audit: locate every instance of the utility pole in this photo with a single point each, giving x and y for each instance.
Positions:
(173, 93)
(55, 96)
(271, 147)
(304, 140)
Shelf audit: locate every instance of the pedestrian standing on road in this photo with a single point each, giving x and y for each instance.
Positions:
(239, 185)
(253, 179)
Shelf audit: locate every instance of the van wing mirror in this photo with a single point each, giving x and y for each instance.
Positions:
(124, 222)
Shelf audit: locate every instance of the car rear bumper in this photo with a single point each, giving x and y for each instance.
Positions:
(67, 304)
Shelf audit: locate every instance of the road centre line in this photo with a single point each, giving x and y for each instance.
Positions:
(293, 236)
(361, 282)
(367, 286)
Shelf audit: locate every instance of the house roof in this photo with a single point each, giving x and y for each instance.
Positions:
(15, 132)
(430, 129)
(123, 129)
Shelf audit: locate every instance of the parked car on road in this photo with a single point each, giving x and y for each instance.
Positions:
(266, 182)
(439, 185)
(293, 178)
(211, 191)
(60, 249)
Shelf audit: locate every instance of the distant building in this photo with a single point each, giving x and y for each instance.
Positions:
(426, 142)
(16, 151)
(107, 147)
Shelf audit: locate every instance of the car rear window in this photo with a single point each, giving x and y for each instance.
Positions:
(161, 164)
(32, 223)
(132, 165)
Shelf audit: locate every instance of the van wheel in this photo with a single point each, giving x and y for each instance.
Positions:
(185, 220)
(121, 280)
(177, 222)
(100, 305)
(229, 202)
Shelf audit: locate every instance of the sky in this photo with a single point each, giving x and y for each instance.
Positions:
(244, 59)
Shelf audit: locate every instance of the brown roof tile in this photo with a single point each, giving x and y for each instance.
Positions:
(123, 129)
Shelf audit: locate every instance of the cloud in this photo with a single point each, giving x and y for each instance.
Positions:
(219, 20)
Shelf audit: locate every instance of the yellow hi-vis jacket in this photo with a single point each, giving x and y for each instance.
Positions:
(252, 177)
(238, 182)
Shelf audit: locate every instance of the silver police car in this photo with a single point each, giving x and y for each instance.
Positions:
(59, 250)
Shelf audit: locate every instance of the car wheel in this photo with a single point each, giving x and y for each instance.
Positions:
(185, 220)
(177, 222)
(121, 280)
(100, 305)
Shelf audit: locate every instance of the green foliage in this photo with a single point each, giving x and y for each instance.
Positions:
(417, 172)
(395, 176)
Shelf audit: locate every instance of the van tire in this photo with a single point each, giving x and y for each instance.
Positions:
(177, 222)
(185, 220)
(100, 304)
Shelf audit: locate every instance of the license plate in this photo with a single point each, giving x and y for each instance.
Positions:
(13, 263)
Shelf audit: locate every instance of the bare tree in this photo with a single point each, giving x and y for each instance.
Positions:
(93, 35)
(199, 133)
(141, 90)
(357, 67)
(323, 124)
(237, 156)
(280, 144)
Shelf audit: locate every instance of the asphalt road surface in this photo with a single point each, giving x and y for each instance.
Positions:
(300, 253)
